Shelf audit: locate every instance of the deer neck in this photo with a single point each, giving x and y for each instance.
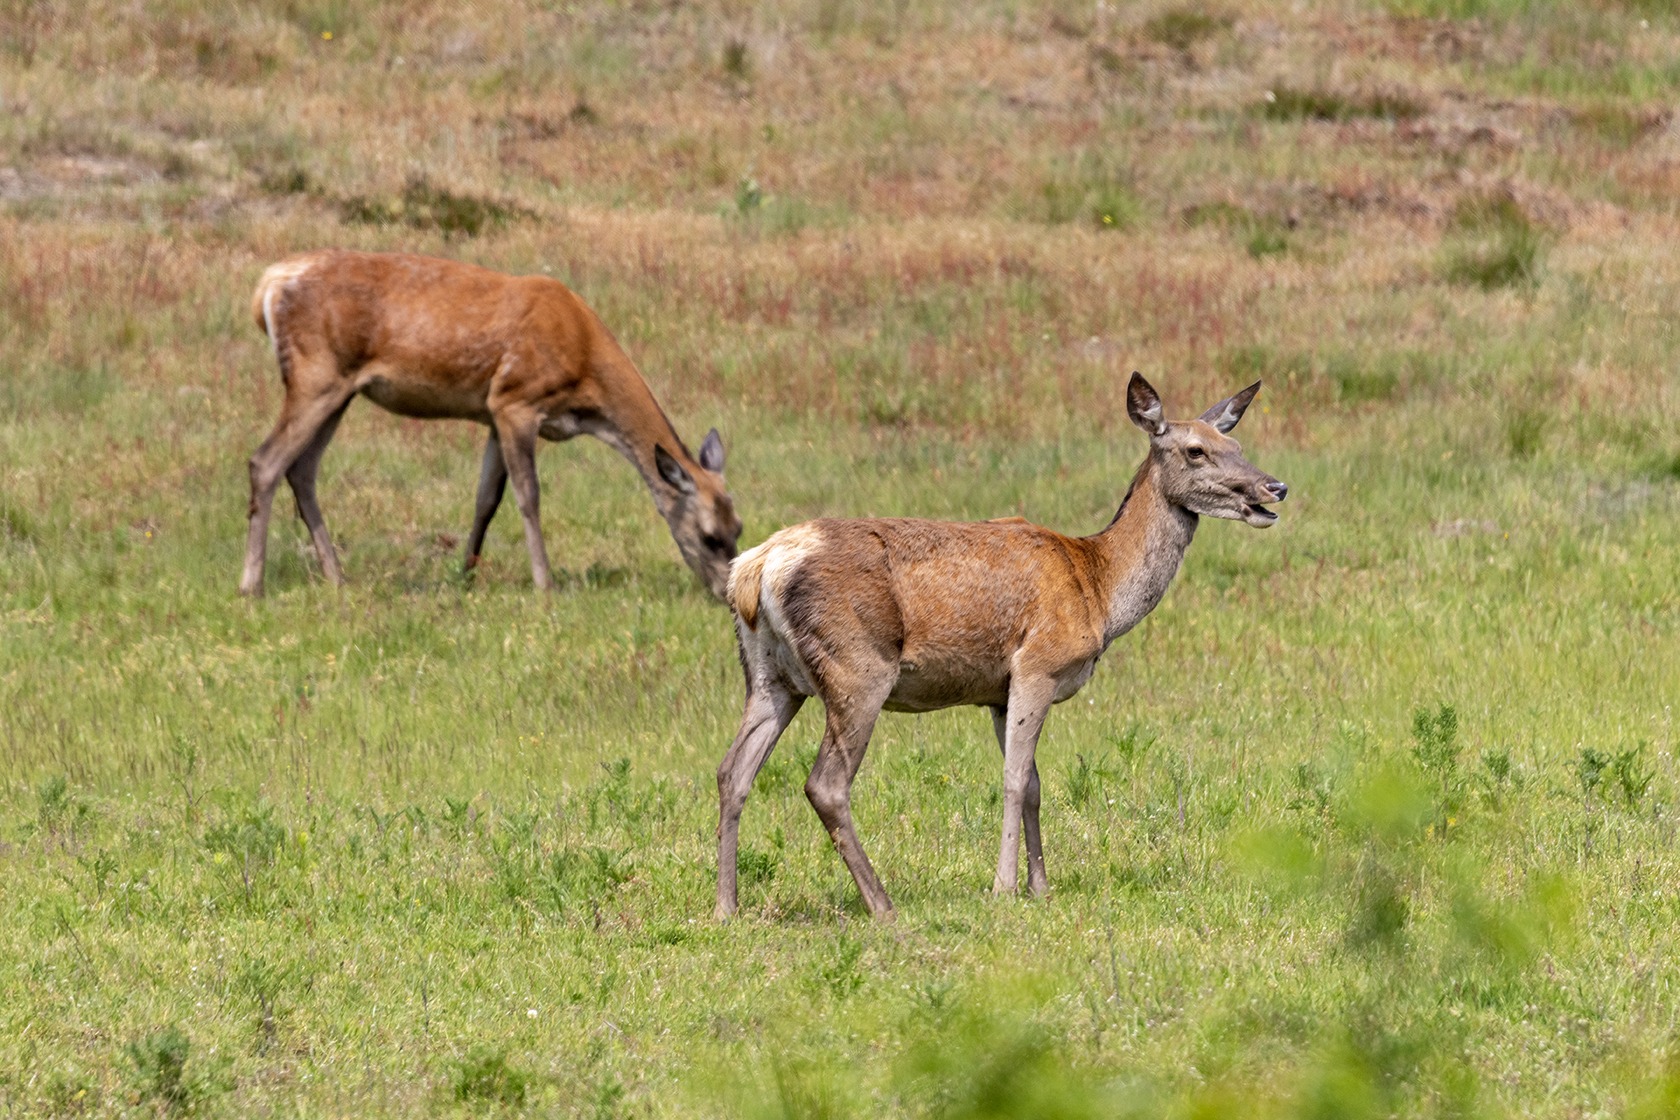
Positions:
(1141, 550)
(631, 422)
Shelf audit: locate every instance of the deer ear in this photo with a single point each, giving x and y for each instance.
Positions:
(1227, 412)
(672, 471)
(1143, 405)
(711, 452)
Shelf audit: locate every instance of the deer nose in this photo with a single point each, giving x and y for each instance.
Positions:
(1279, 490)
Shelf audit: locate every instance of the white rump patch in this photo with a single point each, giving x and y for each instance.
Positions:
(275, 278)
(784, 552)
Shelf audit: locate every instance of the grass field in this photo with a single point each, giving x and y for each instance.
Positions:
(1375, 815)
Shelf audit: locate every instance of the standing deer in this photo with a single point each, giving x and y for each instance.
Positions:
(433, 338)
(915, 615)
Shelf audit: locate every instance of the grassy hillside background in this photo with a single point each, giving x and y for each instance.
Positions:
(1374, 816)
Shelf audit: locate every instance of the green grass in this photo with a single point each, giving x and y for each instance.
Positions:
(364, 835)
(1184, 27)
(1288, 103)
(1494, 245)
(1373, 816)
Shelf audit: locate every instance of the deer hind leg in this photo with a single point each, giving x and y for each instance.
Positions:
(492, 481)
(519, 453)
(301, 421)
(301, 477)
(1017, 728)
(770, 707)
(851, 719)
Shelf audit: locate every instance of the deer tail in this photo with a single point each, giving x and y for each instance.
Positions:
(259, 303)
(269, 289)
(746, 575)
(265, 303)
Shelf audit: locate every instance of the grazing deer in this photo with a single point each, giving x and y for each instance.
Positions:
(433, 338)
(916, 615)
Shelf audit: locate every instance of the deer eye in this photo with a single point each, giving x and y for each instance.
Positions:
(1196, 454)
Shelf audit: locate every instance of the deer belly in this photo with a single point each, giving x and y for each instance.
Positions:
(927, 688)
(426, 400)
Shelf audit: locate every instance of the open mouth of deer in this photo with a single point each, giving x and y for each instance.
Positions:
(1260, 512)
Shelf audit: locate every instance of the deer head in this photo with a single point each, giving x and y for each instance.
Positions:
(700, 513)
(1197, 465)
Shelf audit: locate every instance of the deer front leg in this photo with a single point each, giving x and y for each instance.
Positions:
(1037, 881)
(770, 708)
(1029, 701)
(492, 481)
(519, 446)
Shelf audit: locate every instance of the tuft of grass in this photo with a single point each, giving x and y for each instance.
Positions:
(1266, 241)
(1632, 774)
(287, 181)
(1436, 748)
(422, 205)
(161, 1074)
(1262, 235)
(841, 973)
(1087, 780)
(583, 111)
(1492, 244)
(1358, 381)
(749, 195)
(55, 805)
(1590, 765)
(1293, 103)
(253, 836)
(1183, 27)
(737, 60)
(1663, 465)
(15, 522)
(486, 1075)
(1091, 192)
(1525, 431)
(318, 19)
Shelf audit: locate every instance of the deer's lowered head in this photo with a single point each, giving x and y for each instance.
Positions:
(699, 511)
(1199, 467)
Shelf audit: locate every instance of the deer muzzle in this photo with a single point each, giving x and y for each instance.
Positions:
(1269, 490)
